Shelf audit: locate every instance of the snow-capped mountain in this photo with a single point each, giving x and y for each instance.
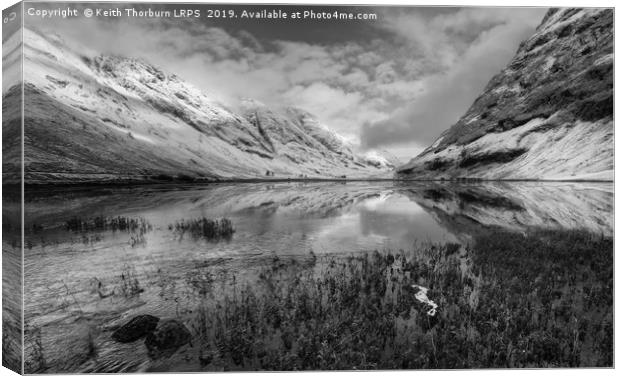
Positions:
(547, 115)
(381, 158)
(98, 118)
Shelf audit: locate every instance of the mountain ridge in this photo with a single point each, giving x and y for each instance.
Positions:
(534, 118)
(110, 118)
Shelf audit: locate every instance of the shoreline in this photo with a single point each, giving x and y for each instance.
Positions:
(180, 182)
(143, 182)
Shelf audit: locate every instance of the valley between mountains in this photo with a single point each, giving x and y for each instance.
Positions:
(547, 116)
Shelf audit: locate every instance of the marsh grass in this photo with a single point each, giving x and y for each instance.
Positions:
(101, 223)
(539, 299)
(90, 229)
(128, 283)
(204, 228)
(535, 299)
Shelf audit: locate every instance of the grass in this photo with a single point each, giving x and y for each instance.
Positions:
(136, 227)
(204, 228)
(90, 230)
(535, 299)
(539, 299)
(128, 283)
(101, 223)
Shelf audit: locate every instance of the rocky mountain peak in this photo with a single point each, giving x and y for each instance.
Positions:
(556, 92)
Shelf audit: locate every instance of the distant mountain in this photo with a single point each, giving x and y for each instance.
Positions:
(102, 118)
(300, 138)
(382, 158)
(547, 115)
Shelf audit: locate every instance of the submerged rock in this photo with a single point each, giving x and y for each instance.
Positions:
(136, 328)
(167, 338)
(421, 295)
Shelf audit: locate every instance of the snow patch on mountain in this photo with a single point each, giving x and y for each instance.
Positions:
(381, 159)
(548, 115)
(99, 117)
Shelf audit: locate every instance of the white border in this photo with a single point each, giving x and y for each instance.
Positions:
(530, 3)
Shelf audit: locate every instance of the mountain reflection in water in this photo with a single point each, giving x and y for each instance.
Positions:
(275, 223)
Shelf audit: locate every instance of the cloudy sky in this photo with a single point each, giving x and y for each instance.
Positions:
(394, 83)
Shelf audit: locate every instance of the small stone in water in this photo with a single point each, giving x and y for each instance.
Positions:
(167, 338)
(136, 328)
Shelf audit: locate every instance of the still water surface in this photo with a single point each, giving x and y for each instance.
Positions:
(73, 280)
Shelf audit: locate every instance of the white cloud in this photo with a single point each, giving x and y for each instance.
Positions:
(361, 88)
(385, 73)
(492, 40)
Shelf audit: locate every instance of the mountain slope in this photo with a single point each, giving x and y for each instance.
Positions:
(547, 115)
(101, 118)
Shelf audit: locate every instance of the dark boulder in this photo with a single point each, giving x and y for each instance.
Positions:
(167, 338)
(136, 328)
